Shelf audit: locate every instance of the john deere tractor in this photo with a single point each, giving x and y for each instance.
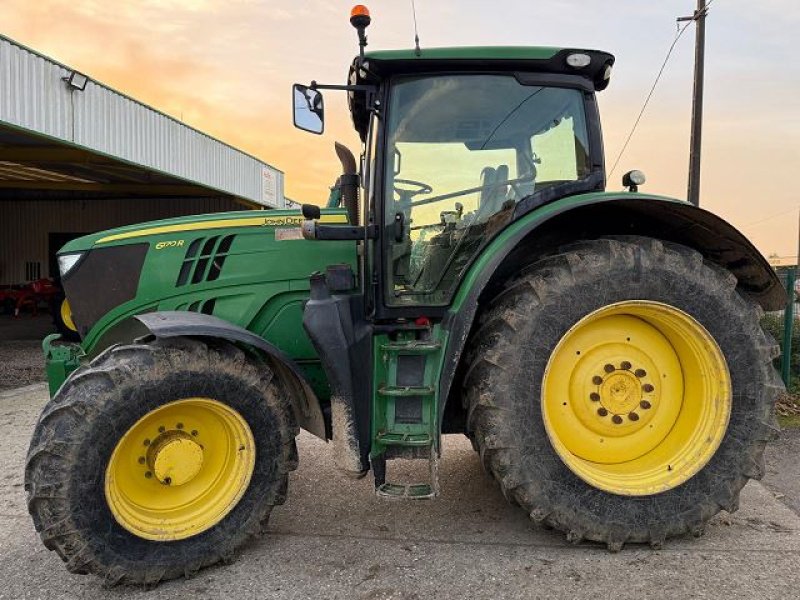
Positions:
(601, 350)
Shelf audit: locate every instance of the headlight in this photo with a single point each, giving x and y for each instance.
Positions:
(67, 261)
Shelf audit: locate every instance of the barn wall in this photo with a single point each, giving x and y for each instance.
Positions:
(25, 225)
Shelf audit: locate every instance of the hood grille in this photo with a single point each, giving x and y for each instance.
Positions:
(204, 260)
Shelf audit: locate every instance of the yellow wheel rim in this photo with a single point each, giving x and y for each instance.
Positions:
(636, 398)
(66, 316)
(180, 469)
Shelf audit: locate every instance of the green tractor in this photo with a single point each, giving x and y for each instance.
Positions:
(601, 350)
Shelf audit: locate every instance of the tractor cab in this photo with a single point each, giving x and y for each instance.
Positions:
(458, 143)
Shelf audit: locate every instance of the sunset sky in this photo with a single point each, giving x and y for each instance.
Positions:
(226, 67)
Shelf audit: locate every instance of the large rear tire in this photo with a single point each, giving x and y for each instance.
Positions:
(622, 391)
(159, 459)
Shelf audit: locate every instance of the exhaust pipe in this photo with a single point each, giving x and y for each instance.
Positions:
(348, 182)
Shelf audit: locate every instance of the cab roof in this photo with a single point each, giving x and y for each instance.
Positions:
(535, 59)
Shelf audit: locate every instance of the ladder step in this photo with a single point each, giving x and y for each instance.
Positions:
(395, 391)
(404, 439)
(412, 347)
(414, 491)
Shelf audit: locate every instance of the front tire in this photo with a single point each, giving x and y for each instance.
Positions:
(564, 470)
(217, 442)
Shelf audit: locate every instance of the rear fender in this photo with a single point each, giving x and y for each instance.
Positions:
(306, 405)
(590, 216)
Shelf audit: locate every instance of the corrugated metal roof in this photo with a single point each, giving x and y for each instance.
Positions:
(35, 97)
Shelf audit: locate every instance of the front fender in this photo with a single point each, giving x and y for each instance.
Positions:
(595, 215)
(168, 324)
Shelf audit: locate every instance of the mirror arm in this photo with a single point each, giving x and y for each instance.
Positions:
(347, 88)
(314, 231)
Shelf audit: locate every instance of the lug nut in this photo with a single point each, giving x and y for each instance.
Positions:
(141, 460)
(162, 429)
(148, 474)
(194, 432)
(594, 397)
(617, 419)
(640, 373)
(602, 411)
(625, 365)
(648, 388)
(146, 442)
(645, 404)
(179, 426)
(597, 380)
(633, 416)
(609, 368)
(167, 480)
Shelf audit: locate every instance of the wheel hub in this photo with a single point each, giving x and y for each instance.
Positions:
(620, 393)
(175, 458)
(180, 469)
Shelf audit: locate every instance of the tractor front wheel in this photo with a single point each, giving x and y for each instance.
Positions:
(159, 459)
(622, 391)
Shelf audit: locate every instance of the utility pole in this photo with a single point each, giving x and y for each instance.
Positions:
(699, 17)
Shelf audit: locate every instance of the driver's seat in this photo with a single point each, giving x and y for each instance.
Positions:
(494, 190)
(488, 178)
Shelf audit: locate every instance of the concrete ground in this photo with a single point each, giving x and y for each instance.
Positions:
(334, 539)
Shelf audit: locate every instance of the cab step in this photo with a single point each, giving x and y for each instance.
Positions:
(404, 439)
(407, 491)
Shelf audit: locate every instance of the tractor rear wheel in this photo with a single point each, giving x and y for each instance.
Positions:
(159, 459)
(622, 391)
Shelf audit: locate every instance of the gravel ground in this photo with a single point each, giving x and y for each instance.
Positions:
(334, 539)
(21, 361)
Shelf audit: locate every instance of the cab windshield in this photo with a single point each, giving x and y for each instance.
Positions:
(462, 151)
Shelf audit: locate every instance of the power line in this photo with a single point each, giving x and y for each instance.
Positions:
(678, 36)
(776, 215)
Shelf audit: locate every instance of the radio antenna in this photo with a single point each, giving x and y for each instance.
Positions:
(417, 51)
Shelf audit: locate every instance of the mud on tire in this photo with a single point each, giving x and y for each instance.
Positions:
(516, 335)
(79, 428)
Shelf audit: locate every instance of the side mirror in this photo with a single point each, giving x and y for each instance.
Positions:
(309, 109)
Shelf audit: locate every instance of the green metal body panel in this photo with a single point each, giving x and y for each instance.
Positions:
(501, 242)
(261, 287)
(60, 361)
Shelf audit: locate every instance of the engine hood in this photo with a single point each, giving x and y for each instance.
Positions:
(158, 229)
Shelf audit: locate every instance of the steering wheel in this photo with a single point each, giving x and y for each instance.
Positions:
(405, 194)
